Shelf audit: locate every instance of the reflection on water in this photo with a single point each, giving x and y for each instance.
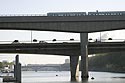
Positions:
(64, 77)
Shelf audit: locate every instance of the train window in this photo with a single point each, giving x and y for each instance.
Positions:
(112, 14)
(67, 14)
(71, 14)
(100, 14)
(108, 14)
(89, 14)
(59, 14)
(53, 14)
(103, 14)
(120, 13)
(115, 14)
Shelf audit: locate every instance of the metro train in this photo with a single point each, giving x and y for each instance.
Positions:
(67, 14)
(97, 13)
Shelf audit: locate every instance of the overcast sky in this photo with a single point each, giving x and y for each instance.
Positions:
(44, 6)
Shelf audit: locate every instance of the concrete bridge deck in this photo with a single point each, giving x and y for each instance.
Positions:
(65, 49)
(66, 24)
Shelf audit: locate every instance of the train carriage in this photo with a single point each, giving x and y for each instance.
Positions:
(67, 14)
(97, 13)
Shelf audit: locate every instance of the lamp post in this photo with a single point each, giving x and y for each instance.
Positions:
(31, 36)
(100, 36)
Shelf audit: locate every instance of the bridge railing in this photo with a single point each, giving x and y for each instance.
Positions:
(60, 41)
(106, 40)
(38, 41)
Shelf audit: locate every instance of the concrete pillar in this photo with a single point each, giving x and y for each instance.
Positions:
(84, 55)
(74, 68)
(16, 66)
(17, 70)
(19, 73)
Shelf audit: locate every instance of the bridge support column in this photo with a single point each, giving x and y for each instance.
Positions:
(17, 70)
(74, 68)
(84, 55)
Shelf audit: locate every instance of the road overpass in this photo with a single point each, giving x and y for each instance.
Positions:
(78, 24)
(63, 49)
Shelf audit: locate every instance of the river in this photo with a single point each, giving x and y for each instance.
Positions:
(64, 77)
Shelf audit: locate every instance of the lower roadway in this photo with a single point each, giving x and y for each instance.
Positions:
(65, 49)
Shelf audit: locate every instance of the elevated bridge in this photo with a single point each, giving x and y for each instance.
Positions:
(64, 49)
(78, 24)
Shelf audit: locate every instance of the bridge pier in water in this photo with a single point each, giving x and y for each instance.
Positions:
(84, 55)
(74, 68)
(17, 70)
(74, 60)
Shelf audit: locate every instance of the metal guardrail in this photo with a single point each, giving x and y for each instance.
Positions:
(39, 41)
(107, 40)
(62, 41)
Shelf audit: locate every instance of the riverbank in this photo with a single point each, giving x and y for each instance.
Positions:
(110, 62)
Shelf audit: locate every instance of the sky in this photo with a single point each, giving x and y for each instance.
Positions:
(45, 6)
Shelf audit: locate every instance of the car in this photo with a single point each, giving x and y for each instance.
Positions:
(109, 38)
(42, 42)
(71, 39)
(15, 42)
(34, 40)
(54, 40)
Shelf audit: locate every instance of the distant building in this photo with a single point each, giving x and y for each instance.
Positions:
(47, 67)
(5, 61)
(41, 67)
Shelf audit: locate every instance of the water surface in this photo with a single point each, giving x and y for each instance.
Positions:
(64, 77)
